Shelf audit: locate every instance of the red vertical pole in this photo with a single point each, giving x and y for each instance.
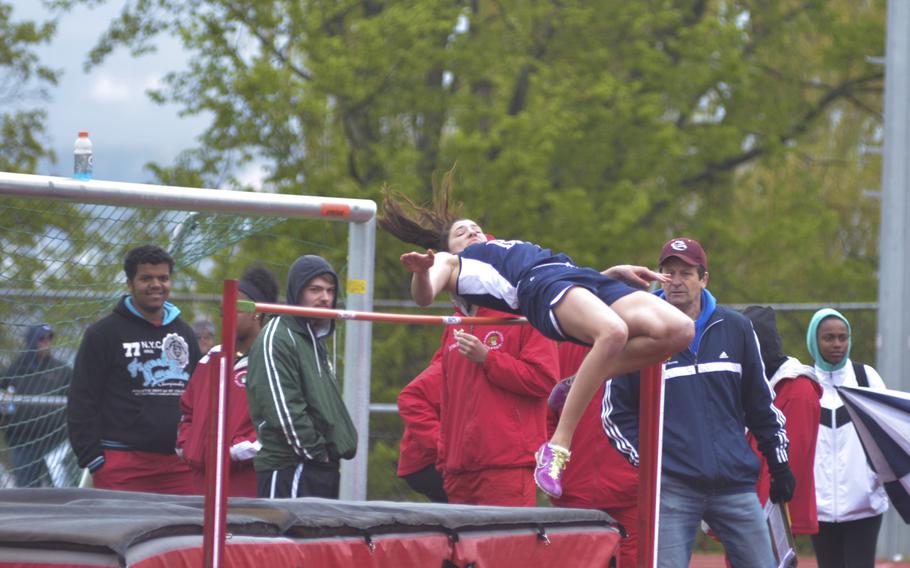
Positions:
(650, 435)
(217, 467)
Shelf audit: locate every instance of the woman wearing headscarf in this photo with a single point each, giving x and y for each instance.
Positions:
(849, 496)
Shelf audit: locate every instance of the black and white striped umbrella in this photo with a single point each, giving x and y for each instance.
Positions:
(882, 421)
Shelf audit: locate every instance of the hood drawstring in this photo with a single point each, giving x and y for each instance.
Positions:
(315, 348)
(334, 354)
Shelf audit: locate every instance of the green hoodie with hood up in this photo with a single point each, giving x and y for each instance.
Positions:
(294, 398)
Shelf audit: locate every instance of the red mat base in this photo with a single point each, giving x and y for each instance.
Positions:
(92, 528)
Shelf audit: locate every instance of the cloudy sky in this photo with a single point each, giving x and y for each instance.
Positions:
(126, 128)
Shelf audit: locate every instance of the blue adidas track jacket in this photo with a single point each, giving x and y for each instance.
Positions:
(710, 397)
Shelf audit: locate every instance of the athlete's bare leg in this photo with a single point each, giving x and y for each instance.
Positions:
(636, 331)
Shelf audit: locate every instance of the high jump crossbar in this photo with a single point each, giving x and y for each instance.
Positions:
(326, 313)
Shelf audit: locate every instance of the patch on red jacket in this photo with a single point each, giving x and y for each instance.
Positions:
(240, 378)
(493, 340)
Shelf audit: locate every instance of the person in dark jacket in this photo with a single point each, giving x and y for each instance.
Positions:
(295, 403)
(714, 390)
(131, 368)
(32, 430)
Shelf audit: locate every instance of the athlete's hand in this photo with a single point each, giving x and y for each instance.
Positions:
(470, 346)
(636, 276)
(418, 261)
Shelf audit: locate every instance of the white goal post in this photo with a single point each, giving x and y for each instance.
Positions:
(360, 214)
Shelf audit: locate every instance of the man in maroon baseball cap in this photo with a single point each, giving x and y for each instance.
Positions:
(714, 390)
(685, 261)
(686, 249)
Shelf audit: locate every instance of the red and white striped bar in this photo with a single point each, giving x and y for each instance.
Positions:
(217, 468)
(326, 313)
(650, 440)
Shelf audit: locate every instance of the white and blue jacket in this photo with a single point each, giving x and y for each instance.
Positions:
(713, 391)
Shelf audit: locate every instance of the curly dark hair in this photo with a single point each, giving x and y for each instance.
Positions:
(257, 280)
(423, 226)
(145, 254)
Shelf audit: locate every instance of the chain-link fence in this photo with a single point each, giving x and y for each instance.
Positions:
(34, 451)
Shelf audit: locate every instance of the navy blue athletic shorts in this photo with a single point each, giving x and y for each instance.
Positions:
(545, 286)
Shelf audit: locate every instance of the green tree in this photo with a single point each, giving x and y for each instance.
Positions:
(23, 82)
(596, 128)
(626, 122)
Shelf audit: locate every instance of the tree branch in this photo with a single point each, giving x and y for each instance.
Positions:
(267, 43)
(799, 127)
(713, 170)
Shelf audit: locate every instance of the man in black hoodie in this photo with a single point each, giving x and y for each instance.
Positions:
(131, 368)
(295, 402)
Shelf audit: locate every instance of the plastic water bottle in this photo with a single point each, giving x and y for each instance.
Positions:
(83, 160)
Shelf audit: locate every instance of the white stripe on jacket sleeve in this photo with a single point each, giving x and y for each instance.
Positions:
(285, 418)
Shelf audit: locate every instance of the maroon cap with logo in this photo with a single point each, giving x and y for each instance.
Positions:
(686, 250)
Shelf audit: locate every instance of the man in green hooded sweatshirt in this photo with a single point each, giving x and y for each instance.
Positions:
(294, 399)
(849, 496)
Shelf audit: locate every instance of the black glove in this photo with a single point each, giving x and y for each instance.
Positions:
(782, 483)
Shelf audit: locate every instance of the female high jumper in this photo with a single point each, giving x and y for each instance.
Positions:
(627, 328)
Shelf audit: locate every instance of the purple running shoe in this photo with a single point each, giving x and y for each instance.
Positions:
(551, 461)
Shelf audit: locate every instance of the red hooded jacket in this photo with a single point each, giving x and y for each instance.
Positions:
(419, 407)
(494, 413)
(193, 429)
(797, 396)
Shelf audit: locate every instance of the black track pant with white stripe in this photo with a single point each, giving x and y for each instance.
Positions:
(309, 479)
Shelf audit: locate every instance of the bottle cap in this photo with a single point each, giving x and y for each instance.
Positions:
(83, 134)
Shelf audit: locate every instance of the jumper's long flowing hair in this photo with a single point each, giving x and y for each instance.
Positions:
(419, 225)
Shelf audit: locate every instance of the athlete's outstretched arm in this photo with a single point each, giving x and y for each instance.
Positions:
(431, 274)
(635, 276)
